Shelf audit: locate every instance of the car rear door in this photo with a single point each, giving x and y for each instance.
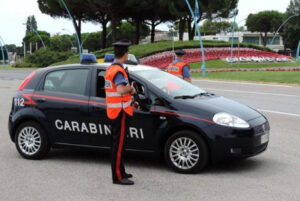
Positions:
(63, 98)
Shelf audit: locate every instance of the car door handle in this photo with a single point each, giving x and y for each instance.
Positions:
(41, 100)
(163, 117)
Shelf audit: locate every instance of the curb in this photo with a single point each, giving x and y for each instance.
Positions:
(246, 70)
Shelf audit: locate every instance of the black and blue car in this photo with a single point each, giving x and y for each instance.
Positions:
(64, 106)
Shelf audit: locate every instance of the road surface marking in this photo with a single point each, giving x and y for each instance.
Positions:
(277, 112)
(243, 83)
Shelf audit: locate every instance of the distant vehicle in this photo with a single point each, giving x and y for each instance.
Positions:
(65, 106)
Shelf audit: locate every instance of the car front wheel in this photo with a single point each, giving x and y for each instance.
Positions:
(186, 152)
(31, 140)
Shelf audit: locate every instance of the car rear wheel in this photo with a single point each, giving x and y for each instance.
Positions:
(186, 152)
(31, 140)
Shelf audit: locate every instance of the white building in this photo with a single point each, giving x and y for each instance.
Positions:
(248, 37)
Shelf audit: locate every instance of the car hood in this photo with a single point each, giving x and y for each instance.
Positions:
(215, 104)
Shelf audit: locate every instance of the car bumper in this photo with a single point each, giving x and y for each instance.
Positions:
(10, 128)
(233, 143)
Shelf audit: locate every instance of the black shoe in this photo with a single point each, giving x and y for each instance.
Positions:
(124, 182)
(127, 176)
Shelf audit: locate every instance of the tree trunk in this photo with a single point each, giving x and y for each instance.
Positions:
(264, 39)
(78, 31)
(137, 31)
(113, 28)
(104, 32)
(191, 28)
(181, 28)
(152, 31)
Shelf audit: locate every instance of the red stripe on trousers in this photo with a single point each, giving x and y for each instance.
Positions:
(122, 135)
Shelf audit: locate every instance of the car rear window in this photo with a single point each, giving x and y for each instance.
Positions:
(67, 81)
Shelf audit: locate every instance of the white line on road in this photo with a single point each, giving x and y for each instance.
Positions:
(277, 112)
(243, 83)
(249, 92)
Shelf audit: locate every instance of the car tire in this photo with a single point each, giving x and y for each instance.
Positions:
(31, 140)
(186, 152)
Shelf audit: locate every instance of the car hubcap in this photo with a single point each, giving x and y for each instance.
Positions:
(29, 140)
(184, 153)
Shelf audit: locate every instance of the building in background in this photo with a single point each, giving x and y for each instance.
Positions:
(249, 37)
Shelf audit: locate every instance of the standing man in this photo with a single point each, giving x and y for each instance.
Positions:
(179, 68)
(119, 109)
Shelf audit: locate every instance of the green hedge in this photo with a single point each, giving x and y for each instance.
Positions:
(143, 50)
(43, 58)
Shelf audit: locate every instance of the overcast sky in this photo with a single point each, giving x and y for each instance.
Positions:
(13, 13)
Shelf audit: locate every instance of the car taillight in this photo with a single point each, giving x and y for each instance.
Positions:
(26, 81)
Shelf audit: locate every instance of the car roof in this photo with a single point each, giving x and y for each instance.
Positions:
(132, 68)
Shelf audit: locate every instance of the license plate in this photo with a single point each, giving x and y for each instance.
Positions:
(264, 138)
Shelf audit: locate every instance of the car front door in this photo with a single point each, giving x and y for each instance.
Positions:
(141, 128)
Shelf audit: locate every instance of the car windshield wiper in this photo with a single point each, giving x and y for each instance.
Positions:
(192, 97)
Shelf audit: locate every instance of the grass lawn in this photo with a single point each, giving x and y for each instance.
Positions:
(286, 77)
(213, 64)
(143, 50)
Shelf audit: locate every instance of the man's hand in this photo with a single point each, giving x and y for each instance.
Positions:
(136, 105)
(126, 89)
(133, 92)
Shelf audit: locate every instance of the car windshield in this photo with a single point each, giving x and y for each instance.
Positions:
(170, 84)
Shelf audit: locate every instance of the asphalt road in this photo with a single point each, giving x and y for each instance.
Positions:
(85, 175)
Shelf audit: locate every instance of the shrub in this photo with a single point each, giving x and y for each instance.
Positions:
(44, 57)
(23, 65)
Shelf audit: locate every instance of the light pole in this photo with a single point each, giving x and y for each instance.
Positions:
(298, 52)
(2, 51)
(71, 18)
(5, 49)
(286, 21)
(232, 34)
(200, 38)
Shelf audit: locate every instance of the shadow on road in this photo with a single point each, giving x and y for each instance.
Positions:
(151, 162)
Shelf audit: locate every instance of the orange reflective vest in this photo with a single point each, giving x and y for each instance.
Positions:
(116, 102)
(177, 69)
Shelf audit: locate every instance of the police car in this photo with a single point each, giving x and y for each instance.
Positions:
(64, 106)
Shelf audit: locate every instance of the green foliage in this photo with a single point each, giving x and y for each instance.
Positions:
(143, 50)
(264, 22)
(44, 57)
(33, 38)
(92, 41)
(62, 43)
(11, 47)
(291, 31)
(4, 52)
(220, 64)
(263, 76)
(127, 30)
(31, 24)
(210, 27)
(23, 65)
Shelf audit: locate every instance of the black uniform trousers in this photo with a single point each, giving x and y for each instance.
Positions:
(118, 138)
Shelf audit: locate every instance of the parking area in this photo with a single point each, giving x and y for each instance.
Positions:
(86, 175)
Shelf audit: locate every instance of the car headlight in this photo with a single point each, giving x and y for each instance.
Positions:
(226, 119)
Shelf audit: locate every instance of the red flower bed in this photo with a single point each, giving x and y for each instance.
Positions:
(162, 60)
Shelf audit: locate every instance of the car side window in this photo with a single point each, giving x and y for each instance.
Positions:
(67, 81)
(100, 88)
